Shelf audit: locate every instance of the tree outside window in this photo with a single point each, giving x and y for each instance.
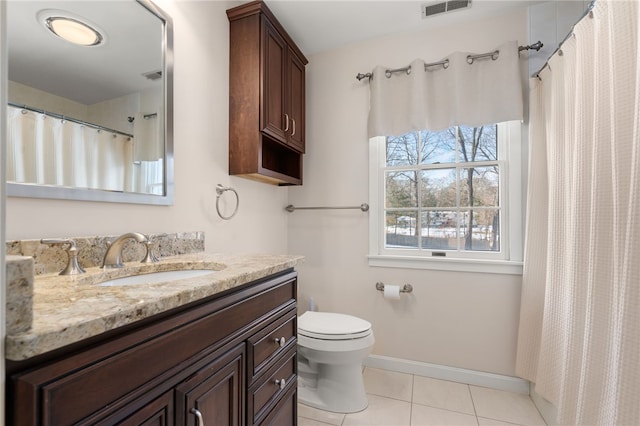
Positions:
(442, 190)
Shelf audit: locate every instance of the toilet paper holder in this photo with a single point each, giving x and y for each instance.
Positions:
(407, 288)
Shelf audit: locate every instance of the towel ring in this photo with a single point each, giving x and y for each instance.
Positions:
(221, 190)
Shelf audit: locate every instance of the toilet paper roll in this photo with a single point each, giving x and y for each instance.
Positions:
(391, 292)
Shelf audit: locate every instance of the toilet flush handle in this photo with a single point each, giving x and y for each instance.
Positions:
(280, 341)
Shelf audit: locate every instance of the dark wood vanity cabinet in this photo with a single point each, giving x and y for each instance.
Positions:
(229, 359)
(266, 98)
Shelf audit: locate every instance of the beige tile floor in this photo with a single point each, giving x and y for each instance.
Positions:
(398, 399)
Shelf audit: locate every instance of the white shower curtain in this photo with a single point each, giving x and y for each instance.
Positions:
(579, 333)
(46, 150)
(21, 146)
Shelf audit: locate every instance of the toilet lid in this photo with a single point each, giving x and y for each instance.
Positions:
(330, 326)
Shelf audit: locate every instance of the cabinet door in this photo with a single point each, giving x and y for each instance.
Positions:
(214, 394)
(275, 120)
(157, 413)
(296, 84)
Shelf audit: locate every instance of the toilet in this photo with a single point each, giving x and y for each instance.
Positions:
(331, 348)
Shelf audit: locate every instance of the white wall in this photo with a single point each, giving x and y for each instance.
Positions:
(464, 320)
(25, 95)
(550, 22)
(201, 47)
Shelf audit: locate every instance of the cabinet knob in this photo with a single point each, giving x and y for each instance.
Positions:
(281, 383)
(280, 341)
(198, 415)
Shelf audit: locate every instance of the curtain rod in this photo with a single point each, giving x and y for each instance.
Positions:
(445, 63)
(73, 120)
(587, 12)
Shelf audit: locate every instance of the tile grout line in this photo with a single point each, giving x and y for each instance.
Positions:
(413, 386)
(422, 404)
(473, 404)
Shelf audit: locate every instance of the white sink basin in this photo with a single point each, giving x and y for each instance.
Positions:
(156, 277)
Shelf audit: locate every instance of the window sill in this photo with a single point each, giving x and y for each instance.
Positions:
(450, 264)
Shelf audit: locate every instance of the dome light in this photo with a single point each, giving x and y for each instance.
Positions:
(71, 28)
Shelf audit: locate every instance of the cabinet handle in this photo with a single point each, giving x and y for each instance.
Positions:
(281, 341)
(281, 383)
(286, 125)
(293, 132)
(198, 415)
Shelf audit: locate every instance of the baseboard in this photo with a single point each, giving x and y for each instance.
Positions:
(452, 374)
(548, 411)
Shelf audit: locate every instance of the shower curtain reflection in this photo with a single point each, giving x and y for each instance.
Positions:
(50, 151)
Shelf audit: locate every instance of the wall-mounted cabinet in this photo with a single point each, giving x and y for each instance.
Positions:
(266, 98)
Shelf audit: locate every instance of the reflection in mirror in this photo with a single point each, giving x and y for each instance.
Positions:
(90, 119)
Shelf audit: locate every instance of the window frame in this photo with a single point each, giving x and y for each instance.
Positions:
(508, 260)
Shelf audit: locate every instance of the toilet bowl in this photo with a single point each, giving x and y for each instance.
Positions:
(331, 348)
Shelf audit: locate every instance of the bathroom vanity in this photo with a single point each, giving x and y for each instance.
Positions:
(216, 349)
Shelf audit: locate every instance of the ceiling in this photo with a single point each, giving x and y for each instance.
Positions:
(39, 59)
(320, 25)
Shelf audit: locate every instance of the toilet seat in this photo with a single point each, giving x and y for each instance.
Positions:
(332, 326)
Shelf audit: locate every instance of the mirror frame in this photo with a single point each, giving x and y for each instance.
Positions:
(29, 190)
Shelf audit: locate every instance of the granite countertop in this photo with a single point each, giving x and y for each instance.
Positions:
(68, 309)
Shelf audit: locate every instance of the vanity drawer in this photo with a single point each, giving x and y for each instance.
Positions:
(266, 345)
(267, 392)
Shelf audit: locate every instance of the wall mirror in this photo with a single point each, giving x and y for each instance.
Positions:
(90, 96)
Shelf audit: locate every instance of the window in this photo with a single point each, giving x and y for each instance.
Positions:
(448, 199)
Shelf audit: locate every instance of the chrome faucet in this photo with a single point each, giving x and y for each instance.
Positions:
(72, 268)
(113, 256)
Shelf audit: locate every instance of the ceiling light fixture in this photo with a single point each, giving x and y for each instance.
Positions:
(71, 28)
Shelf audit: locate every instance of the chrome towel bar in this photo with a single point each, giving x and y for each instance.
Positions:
(364, 207)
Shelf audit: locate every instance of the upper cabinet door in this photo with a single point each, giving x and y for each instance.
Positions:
(275, 121)
(296, 102)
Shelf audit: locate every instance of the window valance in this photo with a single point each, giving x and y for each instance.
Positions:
(460, 90)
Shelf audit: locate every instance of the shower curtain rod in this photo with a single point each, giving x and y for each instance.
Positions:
(445, 63)
(73, 120)
(589, 12)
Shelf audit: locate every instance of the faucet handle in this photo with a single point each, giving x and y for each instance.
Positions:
(72, 268)
(150, 257)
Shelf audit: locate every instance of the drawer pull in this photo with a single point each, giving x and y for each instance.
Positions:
(281, 341)
(198, 415)
(281, 383)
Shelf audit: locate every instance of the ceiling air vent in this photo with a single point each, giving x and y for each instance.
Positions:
(436, 8)
(153, 75)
